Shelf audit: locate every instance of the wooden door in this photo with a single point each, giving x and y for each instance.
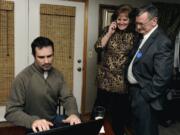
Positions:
(61, 21)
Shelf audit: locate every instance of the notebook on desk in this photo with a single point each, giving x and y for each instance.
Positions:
(87, 128)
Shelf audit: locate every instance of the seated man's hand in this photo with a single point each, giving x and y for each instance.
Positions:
(41, 125)
(72, 119)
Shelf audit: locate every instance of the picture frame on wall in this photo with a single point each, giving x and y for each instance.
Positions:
(105, 14)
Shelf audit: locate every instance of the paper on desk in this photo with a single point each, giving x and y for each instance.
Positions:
(102, 130)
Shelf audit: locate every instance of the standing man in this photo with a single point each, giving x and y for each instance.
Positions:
(149, 72)
(35, 92)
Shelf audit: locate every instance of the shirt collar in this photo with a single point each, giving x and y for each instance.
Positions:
(150, 32)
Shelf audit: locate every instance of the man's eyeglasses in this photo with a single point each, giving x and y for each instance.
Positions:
(143, 24)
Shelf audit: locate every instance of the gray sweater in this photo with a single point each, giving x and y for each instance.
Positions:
(32, 97)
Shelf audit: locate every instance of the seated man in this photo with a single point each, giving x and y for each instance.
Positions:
(36, 90)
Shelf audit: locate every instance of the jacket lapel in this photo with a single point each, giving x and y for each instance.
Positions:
(135, 48)
(147, 44)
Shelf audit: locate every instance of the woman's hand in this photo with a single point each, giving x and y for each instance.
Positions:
(107, 36)
(112, 28)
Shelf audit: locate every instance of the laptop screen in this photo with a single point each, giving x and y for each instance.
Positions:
(87, 128)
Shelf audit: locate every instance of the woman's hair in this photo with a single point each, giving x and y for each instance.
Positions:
(125, 8)
(131, 12)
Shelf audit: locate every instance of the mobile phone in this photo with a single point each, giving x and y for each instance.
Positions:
(115, 27)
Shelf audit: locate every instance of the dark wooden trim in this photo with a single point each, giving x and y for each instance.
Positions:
(7, 128)
(84, 89)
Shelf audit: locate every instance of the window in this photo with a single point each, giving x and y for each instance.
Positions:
(6, 49)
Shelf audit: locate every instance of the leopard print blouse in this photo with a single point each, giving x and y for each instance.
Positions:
(110, 72)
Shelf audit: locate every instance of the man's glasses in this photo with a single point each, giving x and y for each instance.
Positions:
(143, 24)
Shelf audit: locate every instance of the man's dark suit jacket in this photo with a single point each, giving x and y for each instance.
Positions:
(153, 67)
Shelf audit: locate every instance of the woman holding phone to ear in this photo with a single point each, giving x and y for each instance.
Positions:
(115, 43)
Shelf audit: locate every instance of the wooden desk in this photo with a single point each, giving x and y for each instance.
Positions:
(7, 128)
(109, 131)
(107, 126)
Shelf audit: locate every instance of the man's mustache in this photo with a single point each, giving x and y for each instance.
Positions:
(44, 65)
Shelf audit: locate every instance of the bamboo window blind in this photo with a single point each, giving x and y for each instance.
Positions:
(6, 49)
(58, 23)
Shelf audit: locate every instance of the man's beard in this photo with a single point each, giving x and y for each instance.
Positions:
(46, 67)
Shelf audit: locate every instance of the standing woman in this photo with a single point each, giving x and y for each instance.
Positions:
(115, 43)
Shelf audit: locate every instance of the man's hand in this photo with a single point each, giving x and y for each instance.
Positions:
(41, 125)
(72, 119)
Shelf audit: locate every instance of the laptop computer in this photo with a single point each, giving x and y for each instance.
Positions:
(91, 127)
